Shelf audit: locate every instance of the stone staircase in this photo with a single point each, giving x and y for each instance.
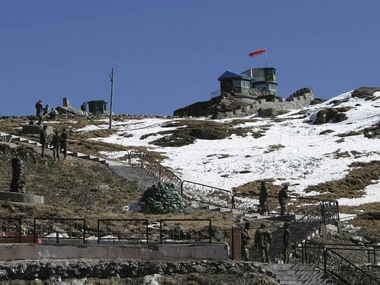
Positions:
(297, 274)
(138, 174)
(12, 138)
(132, 173)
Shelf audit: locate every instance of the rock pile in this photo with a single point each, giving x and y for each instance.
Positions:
(163, 198)
(18, 184)
(132, 269)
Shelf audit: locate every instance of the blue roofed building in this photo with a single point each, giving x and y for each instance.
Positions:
(235, 83)
(256, 82)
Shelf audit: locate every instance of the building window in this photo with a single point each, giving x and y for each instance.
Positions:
(272, 87)
(261, 86)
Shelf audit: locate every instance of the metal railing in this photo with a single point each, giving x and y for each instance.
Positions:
(206, 194)
(326, 212)
(339, 268)
(174, 230)
(359, 254)
(153, 168)
(108, 231)
(10, 229)
(59, 230)
(123, 231)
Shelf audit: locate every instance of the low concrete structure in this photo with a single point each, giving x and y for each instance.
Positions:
(21, 197)
(35, 129)
(216, 251)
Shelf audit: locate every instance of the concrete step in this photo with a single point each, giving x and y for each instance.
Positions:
(225, 210)
(299, 274)
(214, 208)
(82, 155)
(9, 138)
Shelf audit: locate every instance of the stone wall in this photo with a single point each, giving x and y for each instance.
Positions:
(214, 251)
(134, 269)
(301, 98)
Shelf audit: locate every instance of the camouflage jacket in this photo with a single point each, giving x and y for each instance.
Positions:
(263, 237)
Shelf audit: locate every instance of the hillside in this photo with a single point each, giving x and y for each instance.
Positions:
(75, 188)
(327, 151)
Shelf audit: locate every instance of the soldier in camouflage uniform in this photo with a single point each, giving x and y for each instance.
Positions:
(245, 239)
(283, 197)
(286, 243)
(264, 192)
(263, 239)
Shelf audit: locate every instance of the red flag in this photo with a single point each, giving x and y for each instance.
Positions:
(260, 51)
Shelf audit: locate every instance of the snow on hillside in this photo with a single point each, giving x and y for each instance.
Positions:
(302, 155)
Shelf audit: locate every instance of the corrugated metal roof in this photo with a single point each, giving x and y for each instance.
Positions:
(231, 74)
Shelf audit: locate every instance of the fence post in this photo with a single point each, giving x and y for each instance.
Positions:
(98, 232)
(323, 213)
(161, 231)
(84, 233)
(374, 255)
(210, 230)
(34, 231)
(19, 230)
(147, 231)
(303, 248)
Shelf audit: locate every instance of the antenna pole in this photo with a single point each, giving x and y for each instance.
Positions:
(112, 85)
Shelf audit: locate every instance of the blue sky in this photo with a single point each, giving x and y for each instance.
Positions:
(167, 54)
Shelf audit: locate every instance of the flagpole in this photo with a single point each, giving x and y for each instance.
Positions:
(111, 103)
(266, 58)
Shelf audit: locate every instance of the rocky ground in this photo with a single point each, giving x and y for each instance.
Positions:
(135, 272)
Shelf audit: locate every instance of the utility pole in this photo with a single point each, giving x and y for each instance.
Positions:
(112, 85)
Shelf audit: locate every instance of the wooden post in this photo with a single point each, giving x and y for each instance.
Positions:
(236, 244)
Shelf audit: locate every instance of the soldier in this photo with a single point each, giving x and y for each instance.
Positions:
(264, 191)
(39, 110)
(245, 239)
(46, 110)
(83, 107)
(56, 143)
(43, 140)
(263, 239)
(283, 199)
(286, 243)
(64, 143)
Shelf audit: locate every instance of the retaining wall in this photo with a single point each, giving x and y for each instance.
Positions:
(216, 251)
(300, 99)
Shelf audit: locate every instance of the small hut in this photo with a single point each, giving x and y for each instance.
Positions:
(97, 107)
(239, 83)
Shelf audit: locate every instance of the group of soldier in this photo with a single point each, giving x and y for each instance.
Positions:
(263, 240)
(58, 143)
(283, 197)
(41, 111)
(263, 237)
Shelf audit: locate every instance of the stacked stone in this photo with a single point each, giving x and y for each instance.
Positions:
(18, 184)
(163, 198)
(60, 270)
